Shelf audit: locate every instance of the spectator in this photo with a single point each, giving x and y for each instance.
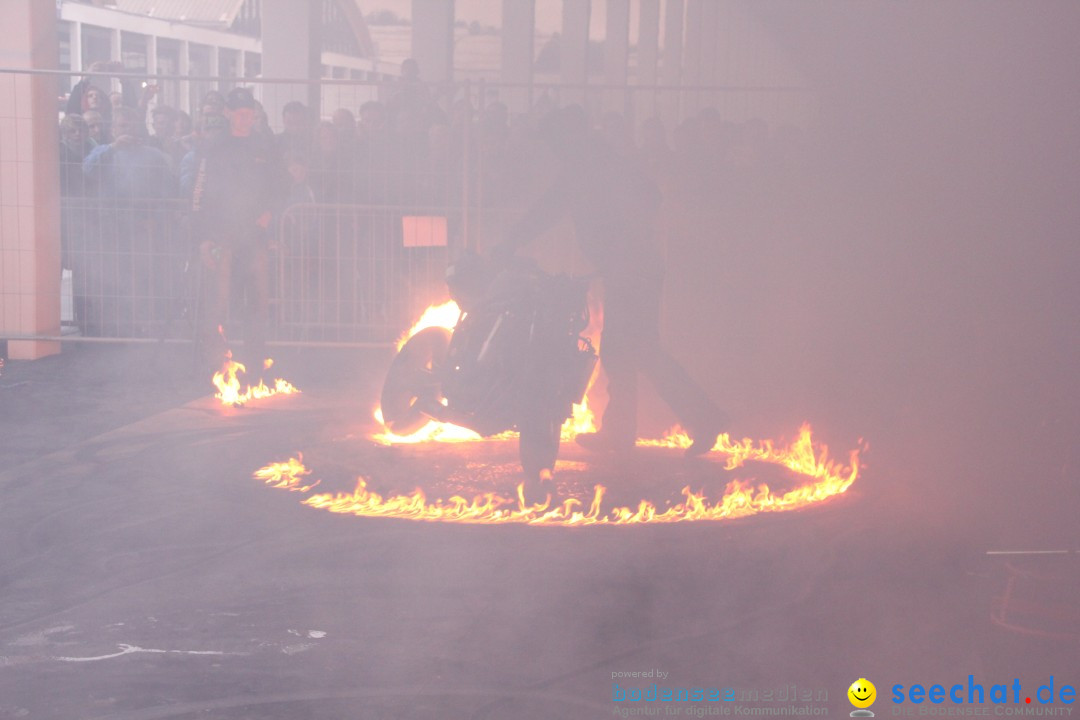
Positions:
(409, 92)
(163, 137)
(372, 119)
(89, 95)
(183, 131)
(97, 128)
(655, 153)
(133, 272)
(215, 127)
(75, 145)
(296, 133)
(183, 125)
(213, 102)
(345, 126)
(128, 168)
(332, 167)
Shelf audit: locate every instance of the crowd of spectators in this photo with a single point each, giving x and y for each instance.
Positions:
(127, 171)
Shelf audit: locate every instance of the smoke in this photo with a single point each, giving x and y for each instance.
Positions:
(917, 280)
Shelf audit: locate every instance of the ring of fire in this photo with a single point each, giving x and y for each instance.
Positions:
(824, 478)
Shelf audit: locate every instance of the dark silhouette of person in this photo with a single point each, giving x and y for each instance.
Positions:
(239, 182)
(614, 205)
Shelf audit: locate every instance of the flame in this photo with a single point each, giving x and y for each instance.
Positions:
(286, 475)
(444, 316)
(582, 421)
(825, 478)
(799, 457)
(227, 381)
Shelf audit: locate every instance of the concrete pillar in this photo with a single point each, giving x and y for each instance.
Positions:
(291, 49)
(574, 50)
(29, 180)
(672, 65)
(433, 39)
(616, 54)
(518, 31)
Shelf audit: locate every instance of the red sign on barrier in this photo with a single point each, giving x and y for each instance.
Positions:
(424, 230)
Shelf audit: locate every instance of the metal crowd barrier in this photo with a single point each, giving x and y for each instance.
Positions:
(338, 273)
(359, 272)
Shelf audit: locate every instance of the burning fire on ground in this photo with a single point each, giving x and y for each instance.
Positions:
(227, 381)
(823, 477)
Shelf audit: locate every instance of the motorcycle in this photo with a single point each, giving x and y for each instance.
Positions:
(516, 359)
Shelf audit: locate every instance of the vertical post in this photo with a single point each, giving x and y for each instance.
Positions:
(185, 70)
(710, 50)
(116, 54)
(574, 50)
(672, 66)
(291, 48)
(75, 44)
(151, 55)
(648, 54)
(466, 170)
(518, 31)
(616, 53)
(433, 39)
(692, 57)
(29, 180)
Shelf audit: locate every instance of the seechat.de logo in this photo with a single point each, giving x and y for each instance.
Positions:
(862, 694)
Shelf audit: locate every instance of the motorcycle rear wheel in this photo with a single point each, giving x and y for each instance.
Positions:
(412, 383)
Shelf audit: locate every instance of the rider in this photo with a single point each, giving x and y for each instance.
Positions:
(614, 206)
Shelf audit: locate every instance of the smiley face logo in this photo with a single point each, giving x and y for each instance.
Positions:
(862, 693)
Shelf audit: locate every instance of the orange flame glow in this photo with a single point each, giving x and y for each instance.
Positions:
(444, 316)
(825, 478)
(286, 475)
(227, 381)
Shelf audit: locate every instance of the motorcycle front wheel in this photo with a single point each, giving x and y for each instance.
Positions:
(412, 383)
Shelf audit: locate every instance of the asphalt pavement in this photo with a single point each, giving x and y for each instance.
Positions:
(145, 573)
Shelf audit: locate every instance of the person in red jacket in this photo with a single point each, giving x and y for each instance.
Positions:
(240, 181)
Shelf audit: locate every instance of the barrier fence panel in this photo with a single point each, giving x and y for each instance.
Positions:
(131, 266)
(354, 272)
